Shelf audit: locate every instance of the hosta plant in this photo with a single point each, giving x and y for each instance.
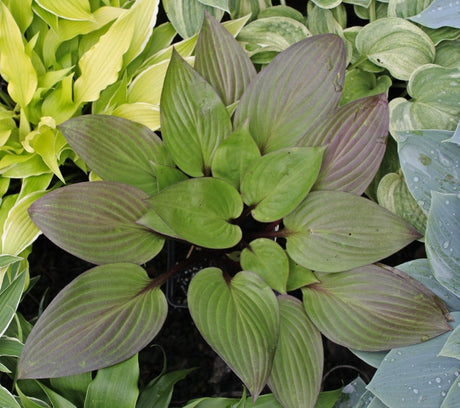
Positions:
(260, 176)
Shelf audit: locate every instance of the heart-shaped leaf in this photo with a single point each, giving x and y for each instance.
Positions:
(239, 318)
(294, 92)
(266, 258)
(374, 308)
(199, 210)
(332, 231)
(277, 182)
(359, 83)
(298, 364)
(96, 221)
(104, 316)
(117, 149)
(299, 276)
(355, 135)
(193, 118)
(220, 59)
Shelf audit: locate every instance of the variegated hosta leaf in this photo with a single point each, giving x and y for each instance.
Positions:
(104, 316)
(355, 135)
(96, 221)
(117, 149)
(240, 8)
(220, 59)
(406, 8)
(68, 9)
(294, 92)
(193, 118)
(298, 364)
(239, 319)
(373, 308)
(332, 231)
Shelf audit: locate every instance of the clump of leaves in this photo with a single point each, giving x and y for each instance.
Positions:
(262, 175)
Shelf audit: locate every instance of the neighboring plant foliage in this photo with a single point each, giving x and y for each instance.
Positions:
(262, 174)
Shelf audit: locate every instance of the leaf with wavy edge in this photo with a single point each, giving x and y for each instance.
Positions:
(221, 60)
(294, 92)
(96, 221)
(239, 319)
(374, 307)
(297, 370)
(332, 231)
(104, 316)
(68, 9)
(117, 149)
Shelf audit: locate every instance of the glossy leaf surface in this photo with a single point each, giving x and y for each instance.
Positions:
(374, 308)
(103, 317)
(332, 231)
(117, 149)
(299, 87)
(200, 210)
(277, 182)
(297, 367)
(239, 319)
(97, 222)
(194, 119)
(221, 60)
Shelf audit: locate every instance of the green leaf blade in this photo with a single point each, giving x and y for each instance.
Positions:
(103, 317)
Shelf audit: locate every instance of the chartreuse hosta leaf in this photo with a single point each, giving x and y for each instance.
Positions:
(15, 63)
(278, 181)
(355, 135)
(68, 9)
(117, 149)
(239, 319)
(200, 211)
(332, 231)
(194, 119)
(104, 229)
(295, 378)
(266, 258)
(220, 59)
(374, 307)
(103, 317)
(395, 44)
(297, 89)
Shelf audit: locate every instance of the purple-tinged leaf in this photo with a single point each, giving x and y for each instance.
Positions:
(298, 364)
(221, 60)
(97, 222)
(374, 308)
(333, 231)
(104, 316)
(294, 92)
(355, 135)
(194, 120)
(117, 149)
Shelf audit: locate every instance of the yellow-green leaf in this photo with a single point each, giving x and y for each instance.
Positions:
(68, 9)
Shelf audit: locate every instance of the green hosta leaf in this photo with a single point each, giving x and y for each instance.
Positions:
(266, 258)
(115, 386)
(439, 13)
(327, 4)
(234, 156)
(395, 44)
(416, 375)
(298, 364)
(9, 301)
(299, 276)
(73, 387)
(194, 119)
(332, 231)
(68, 9)
(435, 91)
(282, 11)
(277, 182)
(443, 240)
(373, 308)
(359, 84)
(6, 260)
(222, 62)
(428, 164)
(240, 8)
(7, 399)
(239, 318)
(406, 8)
(15, 64)
(201, 210)
(322, 21)
(117, 149)
(22, 13)
(355, 135)
(104, 316)
(298, 88)
(97, 222)
(448, 54)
